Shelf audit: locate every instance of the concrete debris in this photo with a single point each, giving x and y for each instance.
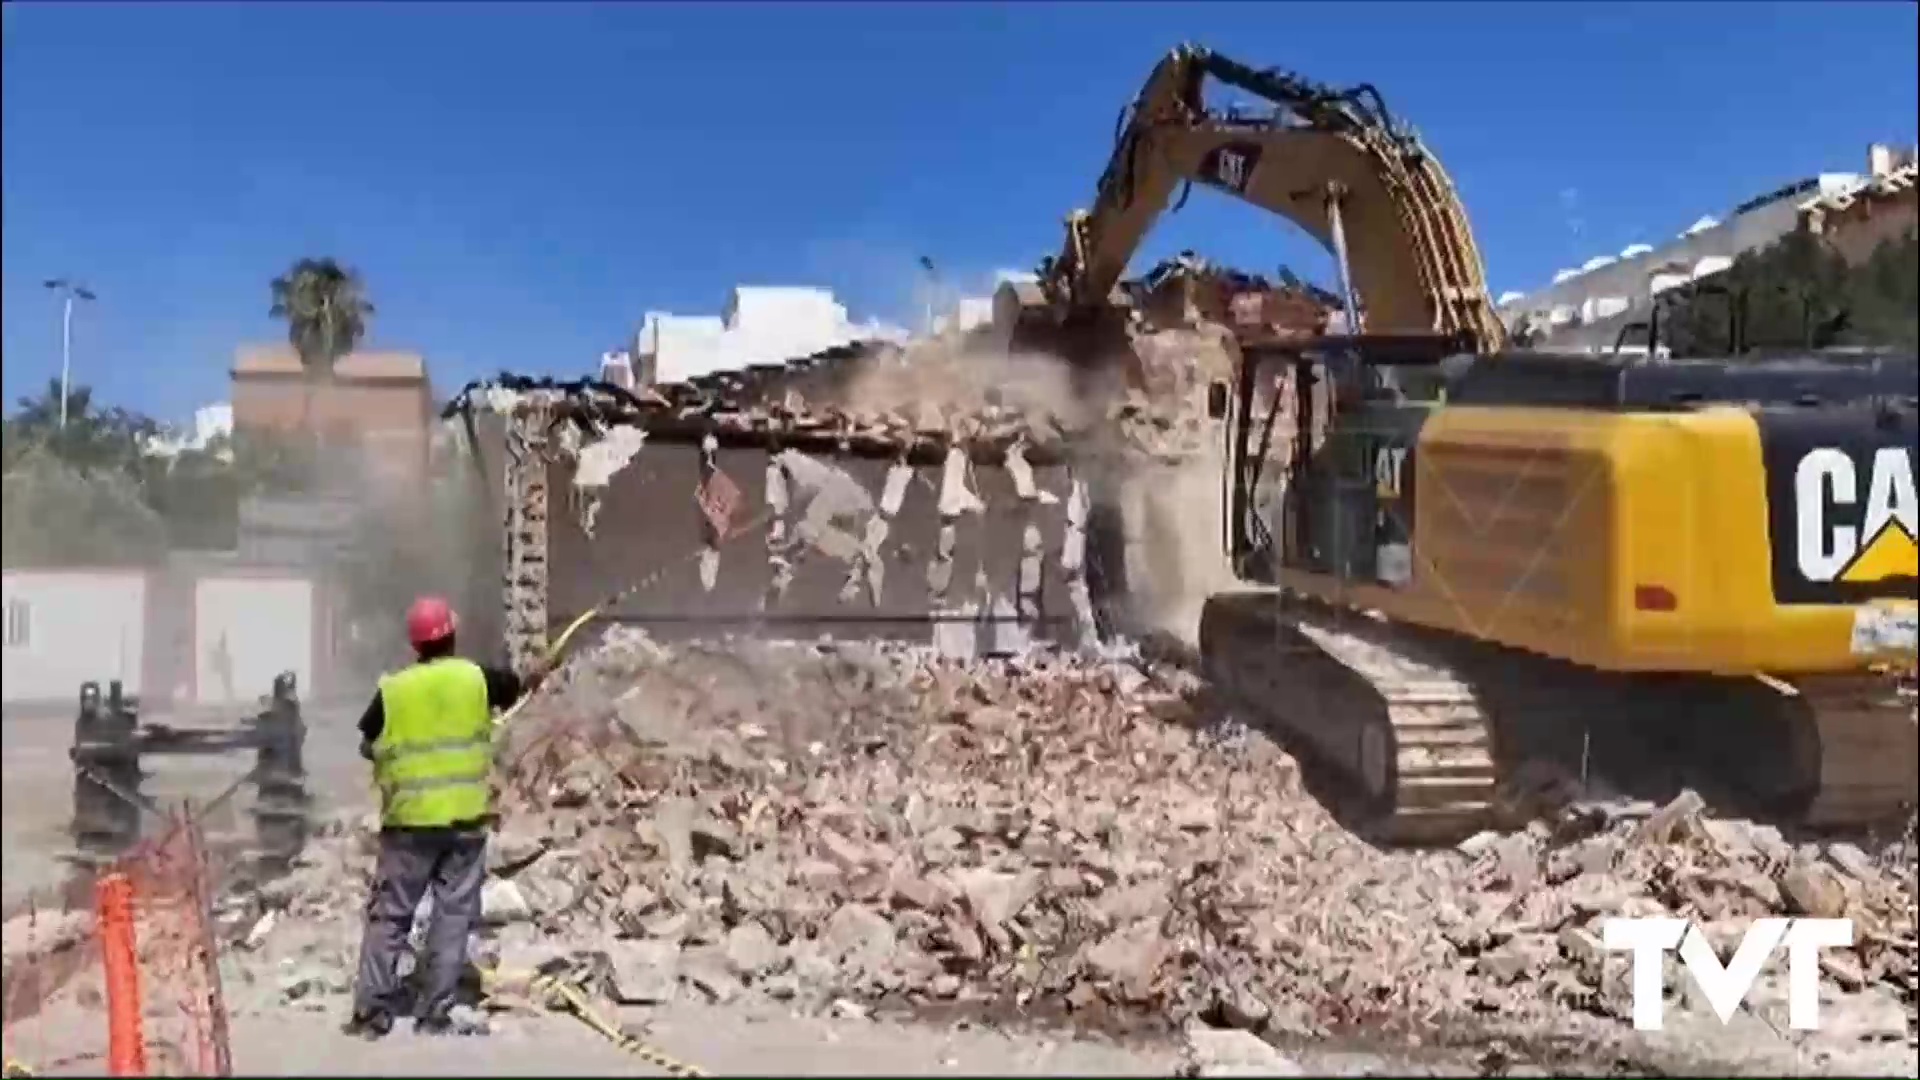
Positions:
(257, 936)
(501, 902)
(467, 1020)
(880, 826)
(309, 983)
(644, 972)
(1233, 1053)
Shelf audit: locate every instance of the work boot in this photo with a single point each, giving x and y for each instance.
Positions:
(369, 1025)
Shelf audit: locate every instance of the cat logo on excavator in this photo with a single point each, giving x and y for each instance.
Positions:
(1845, 540)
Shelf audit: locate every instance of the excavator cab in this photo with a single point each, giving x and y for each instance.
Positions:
(1318, 438)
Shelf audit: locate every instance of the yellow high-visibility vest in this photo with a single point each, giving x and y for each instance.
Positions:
(432, 758)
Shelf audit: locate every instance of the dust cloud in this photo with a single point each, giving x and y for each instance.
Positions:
(945, 384)
(1177, 553)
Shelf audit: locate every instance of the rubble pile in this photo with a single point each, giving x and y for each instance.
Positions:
(860, 826)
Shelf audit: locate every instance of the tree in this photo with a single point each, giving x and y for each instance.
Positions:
(1797, 294)
(326, 311)
(93, 440)
(56, 514)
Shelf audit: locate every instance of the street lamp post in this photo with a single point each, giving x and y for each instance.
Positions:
(69, 292)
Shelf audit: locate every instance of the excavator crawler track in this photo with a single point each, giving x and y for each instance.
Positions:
(1858, 749)
(1438, 738)
(1404, 732)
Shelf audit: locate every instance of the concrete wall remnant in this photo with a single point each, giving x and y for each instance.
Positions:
(524, 624)
(834, 545)
(840, 506)
(934, 494)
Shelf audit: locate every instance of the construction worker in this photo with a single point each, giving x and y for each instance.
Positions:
(429, 735)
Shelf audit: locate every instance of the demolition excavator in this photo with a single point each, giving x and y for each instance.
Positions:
(1476, 577)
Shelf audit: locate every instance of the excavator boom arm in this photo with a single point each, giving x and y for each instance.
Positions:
(1333, 162)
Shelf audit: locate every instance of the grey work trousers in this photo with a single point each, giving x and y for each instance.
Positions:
(453, 862)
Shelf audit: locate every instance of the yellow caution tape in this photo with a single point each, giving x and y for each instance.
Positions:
(554, 652)
(549, 988)
(559, 645)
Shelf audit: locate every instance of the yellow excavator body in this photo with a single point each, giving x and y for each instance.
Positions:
(1628, 542)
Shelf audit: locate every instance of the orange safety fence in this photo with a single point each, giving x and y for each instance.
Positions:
(118, 972)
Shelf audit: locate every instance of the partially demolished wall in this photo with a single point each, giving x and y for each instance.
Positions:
(691, 519)
(811, 543)
(939, 492)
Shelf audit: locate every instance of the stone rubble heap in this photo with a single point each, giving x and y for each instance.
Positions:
(862, 827)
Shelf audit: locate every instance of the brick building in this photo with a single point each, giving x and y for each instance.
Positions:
(376, 405)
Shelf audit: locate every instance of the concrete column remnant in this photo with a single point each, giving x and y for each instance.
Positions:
(956, 632)
(955, 500)
(893, 494)
(1022, 473)
(1029, 578)
(778, 505)
(957, 496)
(1073, 563)
(835, 511)
(709, 532)
(1028, 585)
(525, 591)
(940, 570)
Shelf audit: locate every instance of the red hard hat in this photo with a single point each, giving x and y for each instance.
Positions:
(428, 620)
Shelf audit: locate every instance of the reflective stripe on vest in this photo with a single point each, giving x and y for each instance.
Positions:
(433, 756)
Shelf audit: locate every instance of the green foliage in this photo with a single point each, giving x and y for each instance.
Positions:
(326, 310)
(197, 493)
(93, 438)
(66, 486)
(60, 514)
(1798, 294)
(74, 495)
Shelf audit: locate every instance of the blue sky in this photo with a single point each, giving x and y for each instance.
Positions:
(519, 183)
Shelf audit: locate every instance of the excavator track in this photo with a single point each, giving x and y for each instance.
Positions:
(1436, 743)
(1402, 729)
(1858, 749)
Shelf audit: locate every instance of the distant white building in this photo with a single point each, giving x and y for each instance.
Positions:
(617, 368)
(760, 325)
(966, 313)
(210, 422)
(1586, 308)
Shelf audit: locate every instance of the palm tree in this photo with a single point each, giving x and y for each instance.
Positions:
(326, 310)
